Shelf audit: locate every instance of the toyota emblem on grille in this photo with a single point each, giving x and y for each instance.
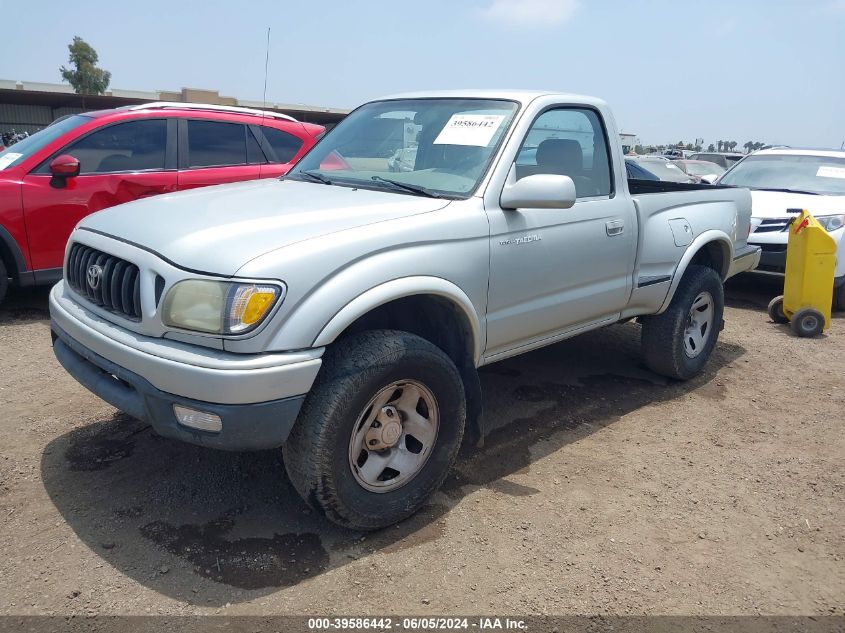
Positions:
(93, 276)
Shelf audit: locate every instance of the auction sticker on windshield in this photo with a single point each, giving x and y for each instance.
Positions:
(828, 171)
(8, 159)
(469, 129)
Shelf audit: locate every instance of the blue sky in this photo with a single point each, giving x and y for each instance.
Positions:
(738, 70)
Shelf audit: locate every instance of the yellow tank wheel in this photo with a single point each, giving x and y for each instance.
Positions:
(807, 322)
(776, 312)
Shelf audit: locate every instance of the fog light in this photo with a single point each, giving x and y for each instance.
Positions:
(198, 419)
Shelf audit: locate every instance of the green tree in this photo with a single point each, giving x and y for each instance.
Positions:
(731, 145)
(721, 143)
(711, 148)
(85, 77)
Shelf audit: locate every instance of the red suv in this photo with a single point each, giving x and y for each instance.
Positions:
(87, 162)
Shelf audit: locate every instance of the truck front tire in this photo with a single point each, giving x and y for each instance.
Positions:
(678, 342)
(379, 430)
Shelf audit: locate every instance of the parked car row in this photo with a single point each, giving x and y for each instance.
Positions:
(722, 159)
(87, 162)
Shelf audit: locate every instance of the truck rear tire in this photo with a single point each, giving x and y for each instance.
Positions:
(678, 342)
(379, 430)
(4, 281)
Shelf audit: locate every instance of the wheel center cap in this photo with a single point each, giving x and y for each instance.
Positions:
(391, 432)
(385, 430)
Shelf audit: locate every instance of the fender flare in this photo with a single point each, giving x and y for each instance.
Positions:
(713, 235)
(397, 289)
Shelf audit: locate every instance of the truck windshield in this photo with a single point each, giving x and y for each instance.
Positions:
(31, 144)
(823, 175)
(437, 147)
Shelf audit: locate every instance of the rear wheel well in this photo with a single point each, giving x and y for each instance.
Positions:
(440, 322)
(713, 255)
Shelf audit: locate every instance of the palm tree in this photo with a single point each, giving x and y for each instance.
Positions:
(720, 145)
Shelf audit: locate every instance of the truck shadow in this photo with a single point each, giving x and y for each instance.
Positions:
(208, 527)
(23, 305)
(754, 292)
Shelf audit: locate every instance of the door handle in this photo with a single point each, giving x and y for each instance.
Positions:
(614, 227)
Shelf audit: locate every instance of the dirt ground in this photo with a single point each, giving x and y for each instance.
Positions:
(604, 490)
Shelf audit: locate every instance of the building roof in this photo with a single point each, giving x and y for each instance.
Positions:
(63, 96)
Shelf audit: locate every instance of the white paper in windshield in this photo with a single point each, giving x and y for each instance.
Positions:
(8, 159)
(828, 171)
(469, 129)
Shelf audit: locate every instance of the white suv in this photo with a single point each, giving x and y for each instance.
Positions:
(782, 180)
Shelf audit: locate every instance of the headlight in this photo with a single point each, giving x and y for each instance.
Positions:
(831, 222)
(218, 307)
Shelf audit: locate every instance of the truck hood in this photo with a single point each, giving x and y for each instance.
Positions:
(219, 229)
(773, 204)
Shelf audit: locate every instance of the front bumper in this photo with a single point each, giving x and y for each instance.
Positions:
(774, 245)
(773, 258)
(257, 397)
(245, 427)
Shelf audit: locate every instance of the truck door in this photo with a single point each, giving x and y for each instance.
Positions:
(556, 270)
(118, 163)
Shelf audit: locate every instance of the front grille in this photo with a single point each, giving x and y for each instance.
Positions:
(118, 288)
(773, 225)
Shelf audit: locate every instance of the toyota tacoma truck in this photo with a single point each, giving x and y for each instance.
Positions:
(342, 312)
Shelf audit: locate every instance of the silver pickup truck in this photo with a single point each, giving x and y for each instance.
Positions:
(342, 312)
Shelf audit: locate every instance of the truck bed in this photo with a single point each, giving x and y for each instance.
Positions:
(637, 186)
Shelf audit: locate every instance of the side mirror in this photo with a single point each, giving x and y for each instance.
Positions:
(64, 166)
(540, 191)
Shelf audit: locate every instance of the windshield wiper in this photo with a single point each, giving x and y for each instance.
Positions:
(809, 193)
(412, 188)
(314, 176)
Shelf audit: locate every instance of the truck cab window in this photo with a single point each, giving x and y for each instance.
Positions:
(569, 142)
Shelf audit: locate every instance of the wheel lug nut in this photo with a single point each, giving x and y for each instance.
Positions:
(373, 442)
(376, 424)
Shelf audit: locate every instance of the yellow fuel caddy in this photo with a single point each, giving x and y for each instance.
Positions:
(810, 260)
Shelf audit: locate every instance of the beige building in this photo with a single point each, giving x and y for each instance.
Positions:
(31, 106)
